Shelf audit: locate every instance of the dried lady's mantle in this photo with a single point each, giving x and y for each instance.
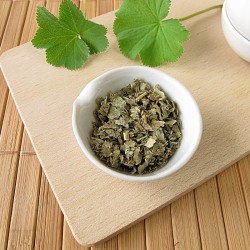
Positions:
(137, 129)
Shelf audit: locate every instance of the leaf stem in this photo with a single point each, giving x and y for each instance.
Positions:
(219, 6)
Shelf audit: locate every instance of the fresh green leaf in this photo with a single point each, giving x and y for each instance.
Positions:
(70, 38)
(141, 30)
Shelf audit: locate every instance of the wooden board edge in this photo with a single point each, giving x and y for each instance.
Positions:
(79, 239)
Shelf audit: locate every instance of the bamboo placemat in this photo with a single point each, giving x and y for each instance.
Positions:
(165, 229)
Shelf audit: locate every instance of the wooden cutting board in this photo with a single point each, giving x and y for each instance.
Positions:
(96, 205)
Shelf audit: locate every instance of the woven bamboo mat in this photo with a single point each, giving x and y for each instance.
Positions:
(213, 216)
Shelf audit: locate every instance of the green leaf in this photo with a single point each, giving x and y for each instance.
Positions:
(141, 30)
(70, 38)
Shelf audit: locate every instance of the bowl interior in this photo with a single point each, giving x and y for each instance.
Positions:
(115, 80)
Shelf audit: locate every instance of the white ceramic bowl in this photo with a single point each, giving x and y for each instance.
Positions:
(114, 80)
(239, 43)
(238, 12)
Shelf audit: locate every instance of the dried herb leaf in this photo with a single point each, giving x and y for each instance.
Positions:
(150, 142)
(137, 129)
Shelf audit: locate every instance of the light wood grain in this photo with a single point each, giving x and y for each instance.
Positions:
(6, 195)
(244, 170)
(104, 6)
(24, 213)
(185, 225)
(23, 219)
(133, 238)
(117, 4)
(4, 10)
(210, 217)
(53, 7)
(10, 140)
(50, 220)
(234, 209)
(14, 25)
(159, 232)
(30, 25)
(12, 127)
(223, 140)
(9, 37)
(90, 8)
(69, 242)
(111, 244)
(3, 98)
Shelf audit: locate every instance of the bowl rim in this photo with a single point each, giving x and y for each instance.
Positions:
(143, 178)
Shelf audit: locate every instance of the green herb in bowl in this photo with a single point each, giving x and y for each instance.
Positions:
(137, 129)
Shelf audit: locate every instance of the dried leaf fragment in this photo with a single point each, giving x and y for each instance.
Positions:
(150, 142)
(126, 135)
